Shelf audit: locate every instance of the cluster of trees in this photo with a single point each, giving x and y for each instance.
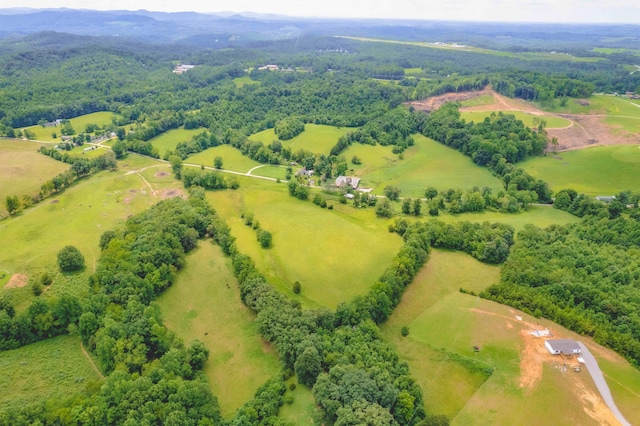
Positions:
(80, 167)
(265, 238)
(207, 179)
(288, 128)
(477, 200)
(583, 276)
(537, 86)
(340, 355)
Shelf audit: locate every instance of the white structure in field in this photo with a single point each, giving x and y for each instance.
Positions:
(563, 346)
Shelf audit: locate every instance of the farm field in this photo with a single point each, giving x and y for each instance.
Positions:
(204, 303)
(170, 139)
(23, 170)
(602, 170)
(232, 159)
(53, 368)
(527, 119)
(316, 138)
(334, 254)
(276, 172)
(78, 216)
(598, 104)
(443, 321)
(425, 164)
(243, 81)
(79, 123)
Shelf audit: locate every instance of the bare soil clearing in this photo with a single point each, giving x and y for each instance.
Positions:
(585, 130)
(17, 281)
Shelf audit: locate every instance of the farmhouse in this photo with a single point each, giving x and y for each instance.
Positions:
(606, 198)
(563, 346)
(269, 68)
(348, 180)
(180, 69)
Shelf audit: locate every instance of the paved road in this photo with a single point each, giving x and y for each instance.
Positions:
(601, 384)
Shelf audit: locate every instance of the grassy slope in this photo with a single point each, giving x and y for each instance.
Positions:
(427, 163)
(602, 170)
(315, 138)
(78, 217)
(335, 254)
(527, 119)
(204, 303)
(232, 159)
(23, 170)
(53, 368)
(168, 140)
(442, 320)
(78, 123)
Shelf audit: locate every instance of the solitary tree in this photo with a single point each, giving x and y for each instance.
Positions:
(392, 192)
(70, 259)
(13, 204)
(431, 193)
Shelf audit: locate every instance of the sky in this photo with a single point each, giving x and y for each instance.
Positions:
(596, 11)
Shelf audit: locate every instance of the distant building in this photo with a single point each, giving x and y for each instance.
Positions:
(269, 68)
(563, 346)
(606, 198)
(180, 69)
(348, 180)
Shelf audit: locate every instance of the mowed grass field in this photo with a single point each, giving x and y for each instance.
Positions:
(553, 122)
(316, 138)
(444, 325)
(334, 254)
(78, 216)
(52, 368)
(598, 104)
(425, 164)
(242, 81)
(23, 170)
(79, 124)
(170, 139)
(601, 170)
(204, 303)
(232, 159)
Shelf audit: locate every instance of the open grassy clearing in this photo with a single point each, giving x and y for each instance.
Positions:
(425, 164)
(204, 303)
(170, 139)
(528, 119)
(79, 124)
(53, 368)
(23, 170)
(276, 172)
(232, 159)
(242, 81)
(486, 99)
(301, 410)
(88, 151)
(77, 217)
(335, 254)
(541, 216)
(316, 138)
(601, 170)
(598, 104)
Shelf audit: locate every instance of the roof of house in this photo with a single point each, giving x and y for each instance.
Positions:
(348, 180)
(565, 346)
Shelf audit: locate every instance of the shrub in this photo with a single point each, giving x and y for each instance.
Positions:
(297, 287)
(404, 331)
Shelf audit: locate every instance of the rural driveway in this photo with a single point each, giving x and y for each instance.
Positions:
(601, 384)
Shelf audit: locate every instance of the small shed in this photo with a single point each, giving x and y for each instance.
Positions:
(563, 346)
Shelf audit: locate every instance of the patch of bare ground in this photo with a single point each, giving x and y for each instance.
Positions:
(172, 192)
(17, 281)
(434, 102)
(594, 406)
(161, 174)
(589, 130)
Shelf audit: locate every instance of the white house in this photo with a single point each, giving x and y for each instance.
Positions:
(563, 346)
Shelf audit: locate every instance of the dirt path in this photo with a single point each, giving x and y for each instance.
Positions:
(86, 354)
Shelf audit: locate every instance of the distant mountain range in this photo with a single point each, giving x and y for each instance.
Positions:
(216, 30)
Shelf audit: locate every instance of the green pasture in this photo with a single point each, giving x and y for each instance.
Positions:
(87, 151)
(316, 138)
(79, 124)
(425, 164)
(242, 81)
(204, 303)
(276, 172)
(53, 368)
(624, 383)
(23, 169)
(232, 159)
(481, 100)
(334, 254)
(170, 139)
(598, 104)
(78, 216)
(553, 122)
(600, 170)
